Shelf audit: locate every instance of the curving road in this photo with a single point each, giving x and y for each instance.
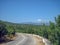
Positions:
(26, 39)
(22, 39)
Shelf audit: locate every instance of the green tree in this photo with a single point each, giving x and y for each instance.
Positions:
(57, 19)
(3, 30)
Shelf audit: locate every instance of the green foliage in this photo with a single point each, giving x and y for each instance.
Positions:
(3, 30)
(51, 32)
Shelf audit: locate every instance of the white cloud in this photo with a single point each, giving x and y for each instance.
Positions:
(43, 21)
(39, 20)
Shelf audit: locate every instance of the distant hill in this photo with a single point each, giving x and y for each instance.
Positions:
(29, 23)
(35, 23)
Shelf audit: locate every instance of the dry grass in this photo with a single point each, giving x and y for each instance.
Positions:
(38, 40)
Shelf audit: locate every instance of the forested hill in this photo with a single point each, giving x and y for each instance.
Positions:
(6, 22)
(51, 32)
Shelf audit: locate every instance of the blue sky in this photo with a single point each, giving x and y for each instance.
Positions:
(29, 10)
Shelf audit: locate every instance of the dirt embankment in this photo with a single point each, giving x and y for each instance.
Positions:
(6, 39)
(39, 40)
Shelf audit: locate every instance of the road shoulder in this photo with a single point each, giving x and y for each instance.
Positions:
(39, 41)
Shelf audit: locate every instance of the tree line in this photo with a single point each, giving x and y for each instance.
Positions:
(51, 31)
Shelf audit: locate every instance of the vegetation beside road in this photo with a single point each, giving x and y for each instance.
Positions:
(5, 36)
(51, 31)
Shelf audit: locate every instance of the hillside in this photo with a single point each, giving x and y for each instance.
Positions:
(51, 32)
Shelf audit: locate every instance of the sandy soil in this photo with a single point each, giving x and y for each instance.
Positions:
(39, 41)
